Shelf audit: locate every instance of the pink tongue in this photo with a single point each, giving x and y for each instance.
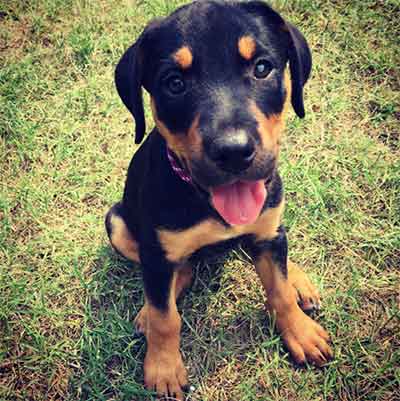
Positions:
(239, 203)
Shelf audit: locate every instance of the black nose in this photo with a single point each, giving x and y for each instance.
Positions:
(234, 151)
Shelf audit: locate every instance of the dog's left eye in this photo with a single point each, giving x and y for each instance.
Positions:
(175, 84)
(262, 69)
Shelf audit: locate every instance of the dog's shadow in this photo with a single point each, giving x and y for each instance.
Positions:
(113, 352)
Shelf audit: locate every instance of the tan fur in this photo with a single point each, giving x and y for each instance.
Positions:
(247, 47)
(270, 128)
(163, 365)
(184, 276)
(184, 145)
(179, 245)
(305, 338)
(307, 295)
(184, 57)
(123, 240)
(288, 86)
(183, 280)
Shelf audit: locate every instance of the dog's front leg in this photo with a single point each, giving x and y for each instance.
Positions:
(164, 371)
(305, 339)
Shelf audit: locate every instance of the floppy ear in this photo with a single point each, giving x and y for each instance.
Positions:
(298, 51)
(300, 67)
(128, 79)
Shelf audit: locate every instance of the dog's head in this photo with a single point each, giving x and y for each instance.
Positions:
(216, 75)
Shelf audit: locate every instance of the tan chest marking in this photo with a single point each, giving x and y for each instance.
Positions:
(179, 245)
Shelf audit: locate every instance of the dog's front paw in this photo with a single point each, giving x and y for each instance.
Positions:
(305, 339)
(165, 373)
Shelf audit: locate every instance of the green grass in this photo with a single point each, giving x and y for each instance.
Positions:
(68, 302)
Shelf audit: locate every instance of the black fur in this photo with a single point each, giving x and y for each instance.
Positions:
(128, 80)
(219, 85)
(278, 247)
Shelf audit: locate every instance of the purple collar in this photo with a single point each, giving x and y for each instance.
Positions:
(179, 171)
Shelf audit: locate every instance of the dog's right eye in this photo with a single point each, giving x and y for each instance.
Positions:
(175, 84)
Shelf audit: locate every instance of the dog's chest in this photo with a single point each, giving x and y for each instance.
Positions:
(179, 245)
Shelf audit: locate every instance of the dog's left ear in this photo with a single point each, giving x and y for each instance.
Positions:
(300, 67)
(298, 51)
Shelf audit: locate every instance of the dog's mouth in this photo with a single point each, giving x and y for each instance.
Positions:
(240, 202)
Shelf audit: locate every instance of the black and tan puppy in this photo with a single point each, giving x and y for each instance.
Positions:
(217, 74)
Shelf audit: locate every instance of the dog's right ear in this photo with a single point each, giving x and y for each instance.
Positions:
(128, 80)
(130, 76)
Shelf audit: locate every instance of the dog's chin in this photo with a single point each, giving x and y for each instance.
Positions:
(208, 176)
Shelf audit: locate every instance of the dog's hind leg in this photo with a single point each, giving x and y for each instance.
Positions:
(307, 295)
(122, 240)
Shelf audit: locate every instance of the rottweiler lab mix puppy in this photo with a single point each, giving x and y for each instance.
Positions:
(219, 85)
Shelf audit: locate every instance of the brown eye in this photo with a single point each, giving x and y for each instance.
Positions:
(262, 69)
(175, 84)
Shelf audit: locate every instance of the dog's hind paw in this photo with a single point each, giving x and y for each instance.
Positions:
(307, 295)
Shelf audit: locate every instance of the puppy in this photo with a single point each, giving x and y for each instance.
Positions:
(221, 75)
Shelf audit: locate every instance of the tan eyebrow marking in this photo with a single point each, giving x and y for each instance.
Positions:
(247, 47)
(184, 57)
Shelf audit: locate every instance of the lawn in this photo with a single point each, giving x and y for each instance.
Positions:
(68, 302)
